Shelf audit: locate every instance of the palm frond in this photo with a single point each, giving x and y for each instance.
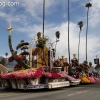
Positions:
(88, 5)
(80, 24)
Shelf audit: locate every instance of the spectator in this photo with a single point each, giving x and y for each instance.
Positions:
(99, 73)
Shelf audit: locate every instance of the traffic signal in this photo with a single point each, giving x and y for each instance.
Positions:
(96, 61)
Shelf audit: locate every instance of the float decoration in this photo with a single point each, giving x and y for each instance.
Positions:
(82, 71)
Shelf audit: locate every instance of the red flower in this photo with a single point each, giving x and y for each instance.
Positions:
(11, 58)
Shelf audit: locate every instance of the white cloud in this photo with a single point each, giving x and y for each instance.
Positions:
(9, 18)
(94, 13)
(35, 7)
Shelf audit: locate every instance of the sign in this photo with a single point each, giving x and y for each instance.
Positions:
(58, 84)
(96, 61)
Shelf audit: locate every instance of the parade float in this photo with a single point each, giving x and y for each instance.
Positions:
(81, 71)
(36, 67)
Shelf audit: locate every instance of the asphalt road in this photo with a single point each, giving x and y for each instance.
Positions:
(80, 92)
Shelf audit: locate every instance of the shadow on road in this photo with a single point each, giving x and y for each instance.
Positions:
(27, 91)
(88, 86)
(91, 85)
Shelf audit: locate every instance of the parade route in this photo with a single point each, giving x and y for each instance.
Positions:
(80, 92)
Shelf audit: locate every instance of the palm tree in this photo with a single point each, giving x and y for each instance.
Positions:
(6, 57)
(88, 5)
(68, 33)
(6, 54)
(80, 26)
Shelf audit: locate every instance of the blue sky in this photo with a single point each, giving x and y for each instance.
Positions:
(26, 19)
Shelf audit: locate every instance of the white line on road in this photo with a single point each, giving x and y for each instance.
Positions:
(77, 93)
(70, 94)
(81, 92)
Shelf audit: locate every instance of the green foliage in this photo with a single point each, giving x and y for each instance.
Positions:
(41, 42)
(80, 24)
(57, 34)
(3, 61)
(21, 44)
(88, 5)
(90, 63)
(6, 54)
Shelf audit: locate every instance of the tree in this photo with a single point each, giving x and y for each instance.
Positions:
(6, 57)
(88, 5)
(3, 61)
(6, 54)
(90, 64)
(80, 26)
(68, 33)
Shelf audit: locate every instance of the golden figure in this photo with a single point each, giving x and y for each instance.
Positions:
(9, 29)
(74, 55)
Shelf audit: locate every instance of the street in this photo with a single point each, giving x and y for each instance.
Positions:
(80, 92)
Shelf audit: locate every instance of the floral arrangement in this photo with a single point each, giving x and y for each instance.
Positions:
(89, 80)
(11, 58)
(57, 63)
(17, 57)
(24, 53)
(53, 74)
(18, 67)
(28, 73)
(41, 42)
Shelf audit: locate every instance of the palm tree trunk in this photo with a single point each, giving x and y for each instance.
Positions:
(43, 15)
(79, 45)
(68, 32)
(87, 33)
(43, 24)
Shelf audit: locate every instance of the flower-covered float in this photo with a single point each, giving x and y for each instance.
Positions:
(36, 68)
(81, 71)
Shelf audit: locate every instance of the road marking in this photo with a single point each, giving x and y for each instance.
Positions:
(77, 93)
(70, 94)
(81, 92)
